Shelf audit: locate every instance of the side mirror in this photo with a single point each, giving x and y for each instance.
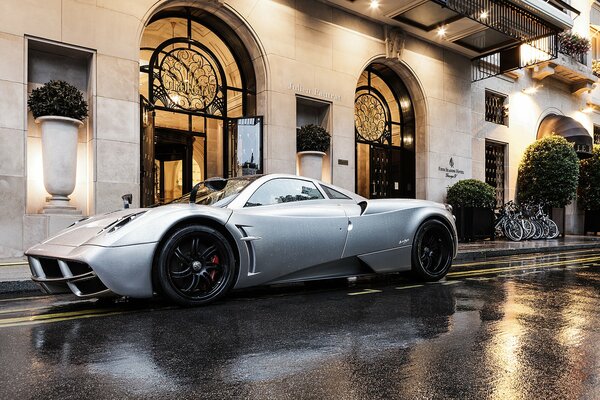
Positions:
(127, 199)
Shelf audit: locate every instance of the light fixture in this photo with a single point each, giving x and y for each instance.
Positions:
(441, 32)
(484, 14)
(532, 89)
(374, 4)
(588, 109)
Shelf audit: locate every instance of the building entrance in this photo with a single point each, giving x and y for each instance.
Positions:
(385, 135)
(197, 88)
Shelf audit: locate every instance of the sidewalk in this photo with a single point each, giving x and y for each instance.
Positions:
(15, 275)
(497, 248)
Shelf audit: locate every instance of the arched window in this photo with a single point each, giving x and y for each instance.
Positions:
(197, 86)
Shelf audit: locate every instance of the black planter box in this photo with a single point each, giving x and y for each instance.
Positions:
(473, 223)
(591, 221)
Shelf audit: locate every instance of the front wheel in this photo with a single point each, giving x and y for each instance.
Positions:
(432, 251)
(195, 266)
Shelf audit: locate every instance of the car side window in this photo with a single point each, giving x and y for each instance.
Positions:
(334, 194)
(283, 190)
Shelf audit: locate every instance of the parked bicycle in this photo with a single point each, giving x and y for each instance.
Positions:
(526, 222)
(507, 223)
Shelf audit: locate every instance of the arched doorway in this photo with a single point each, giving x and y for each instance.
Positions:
(198, 104)
(385, 135)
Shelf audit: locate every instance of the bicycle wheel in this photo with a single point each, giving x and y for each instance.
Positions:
(553, 229)
(528, 229)
(546, 229)
(539, 230)
(513, 230)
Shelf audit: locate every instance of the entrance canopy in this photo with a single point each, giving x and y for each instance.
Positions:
(571, 130)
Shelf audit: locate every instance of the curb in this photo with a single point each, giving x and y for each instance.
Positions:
(485, 254)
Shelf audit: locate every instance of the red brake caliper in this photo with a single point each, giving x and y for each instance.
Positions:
(215, 261)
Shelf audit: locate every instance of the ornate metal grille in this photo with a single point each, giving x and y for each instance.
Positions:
(187, 78)
(495, 108)
(596, 134)
(370, 118)
(190, 80)
(494, 169)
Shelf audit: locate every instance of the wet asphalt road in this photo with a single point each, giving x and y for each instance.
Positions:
(526, 328)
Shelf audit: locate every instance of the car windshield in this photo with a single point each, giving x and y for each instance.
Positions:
(219, 198)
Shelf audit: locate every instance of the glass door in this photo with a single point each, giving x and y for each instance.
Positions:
(245, 146)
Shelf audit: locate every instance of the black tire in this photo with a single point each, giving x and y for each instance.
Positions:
(432, 251)
(196, 266)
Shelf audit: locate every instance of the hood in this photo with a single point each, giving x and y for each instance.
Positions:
(87, 228)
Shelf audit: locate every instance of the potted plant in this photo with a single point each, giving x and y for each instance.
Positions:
(548, 173)
(312, 142)
(59, 108)
(572, 44)
(588, 192)
(472, 203)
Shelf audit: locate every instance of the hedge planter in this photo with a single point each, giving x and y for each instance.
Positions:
(592, 221)
(311, 164)
(59, 156)
(474, 223)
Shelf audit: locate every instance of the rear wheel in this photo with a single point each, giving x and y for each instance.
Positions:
(553, 231)
(432, 251)
(196, 266)
(513, 230)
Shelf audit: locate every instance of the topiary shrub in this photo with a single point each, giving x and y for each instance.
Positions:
(312, 138)
(548, 173)
(471, 193)
(588, 192)
(59, 99)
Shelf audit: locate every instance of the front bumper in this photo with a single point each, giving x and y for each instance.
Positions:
(93, 271)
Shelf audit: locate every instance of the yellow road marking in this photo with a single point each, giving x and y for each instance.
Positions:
(450, 282)
(7, 264)
(518, 267)
(504, 260)
(580, 267)
(46, 307)
(366, 291)
(71, 315)
(25, 323)
(408, 287)
(26, 298)
(52, 316)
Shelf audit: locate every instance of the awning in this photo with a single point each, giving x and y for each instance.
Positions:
(571, 130)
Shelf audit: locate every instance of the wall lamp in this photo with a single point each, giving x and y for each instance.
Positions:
(532, 89)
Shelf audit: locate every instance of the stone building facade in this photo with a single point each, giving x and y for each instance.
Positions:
(274, 65)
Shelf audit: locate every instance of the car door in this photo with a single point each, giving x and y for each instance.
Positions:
(289, 226)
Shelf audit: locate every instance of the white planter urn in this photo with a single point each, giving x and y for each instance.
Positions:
(59, 156)
(311, 164)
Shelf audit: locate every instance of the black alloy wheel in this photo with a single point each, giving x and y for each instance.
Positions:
(432, 251)
(196, 266)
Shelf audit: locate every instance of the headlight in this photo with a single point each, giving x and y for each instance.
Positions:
(448, 207)
(115, 226)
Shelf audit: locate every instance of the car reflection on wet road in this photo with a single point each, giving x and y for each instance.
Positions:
(511, 328)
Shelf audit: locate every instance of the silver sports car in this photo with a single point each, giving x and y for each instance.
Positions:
(242, 232)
